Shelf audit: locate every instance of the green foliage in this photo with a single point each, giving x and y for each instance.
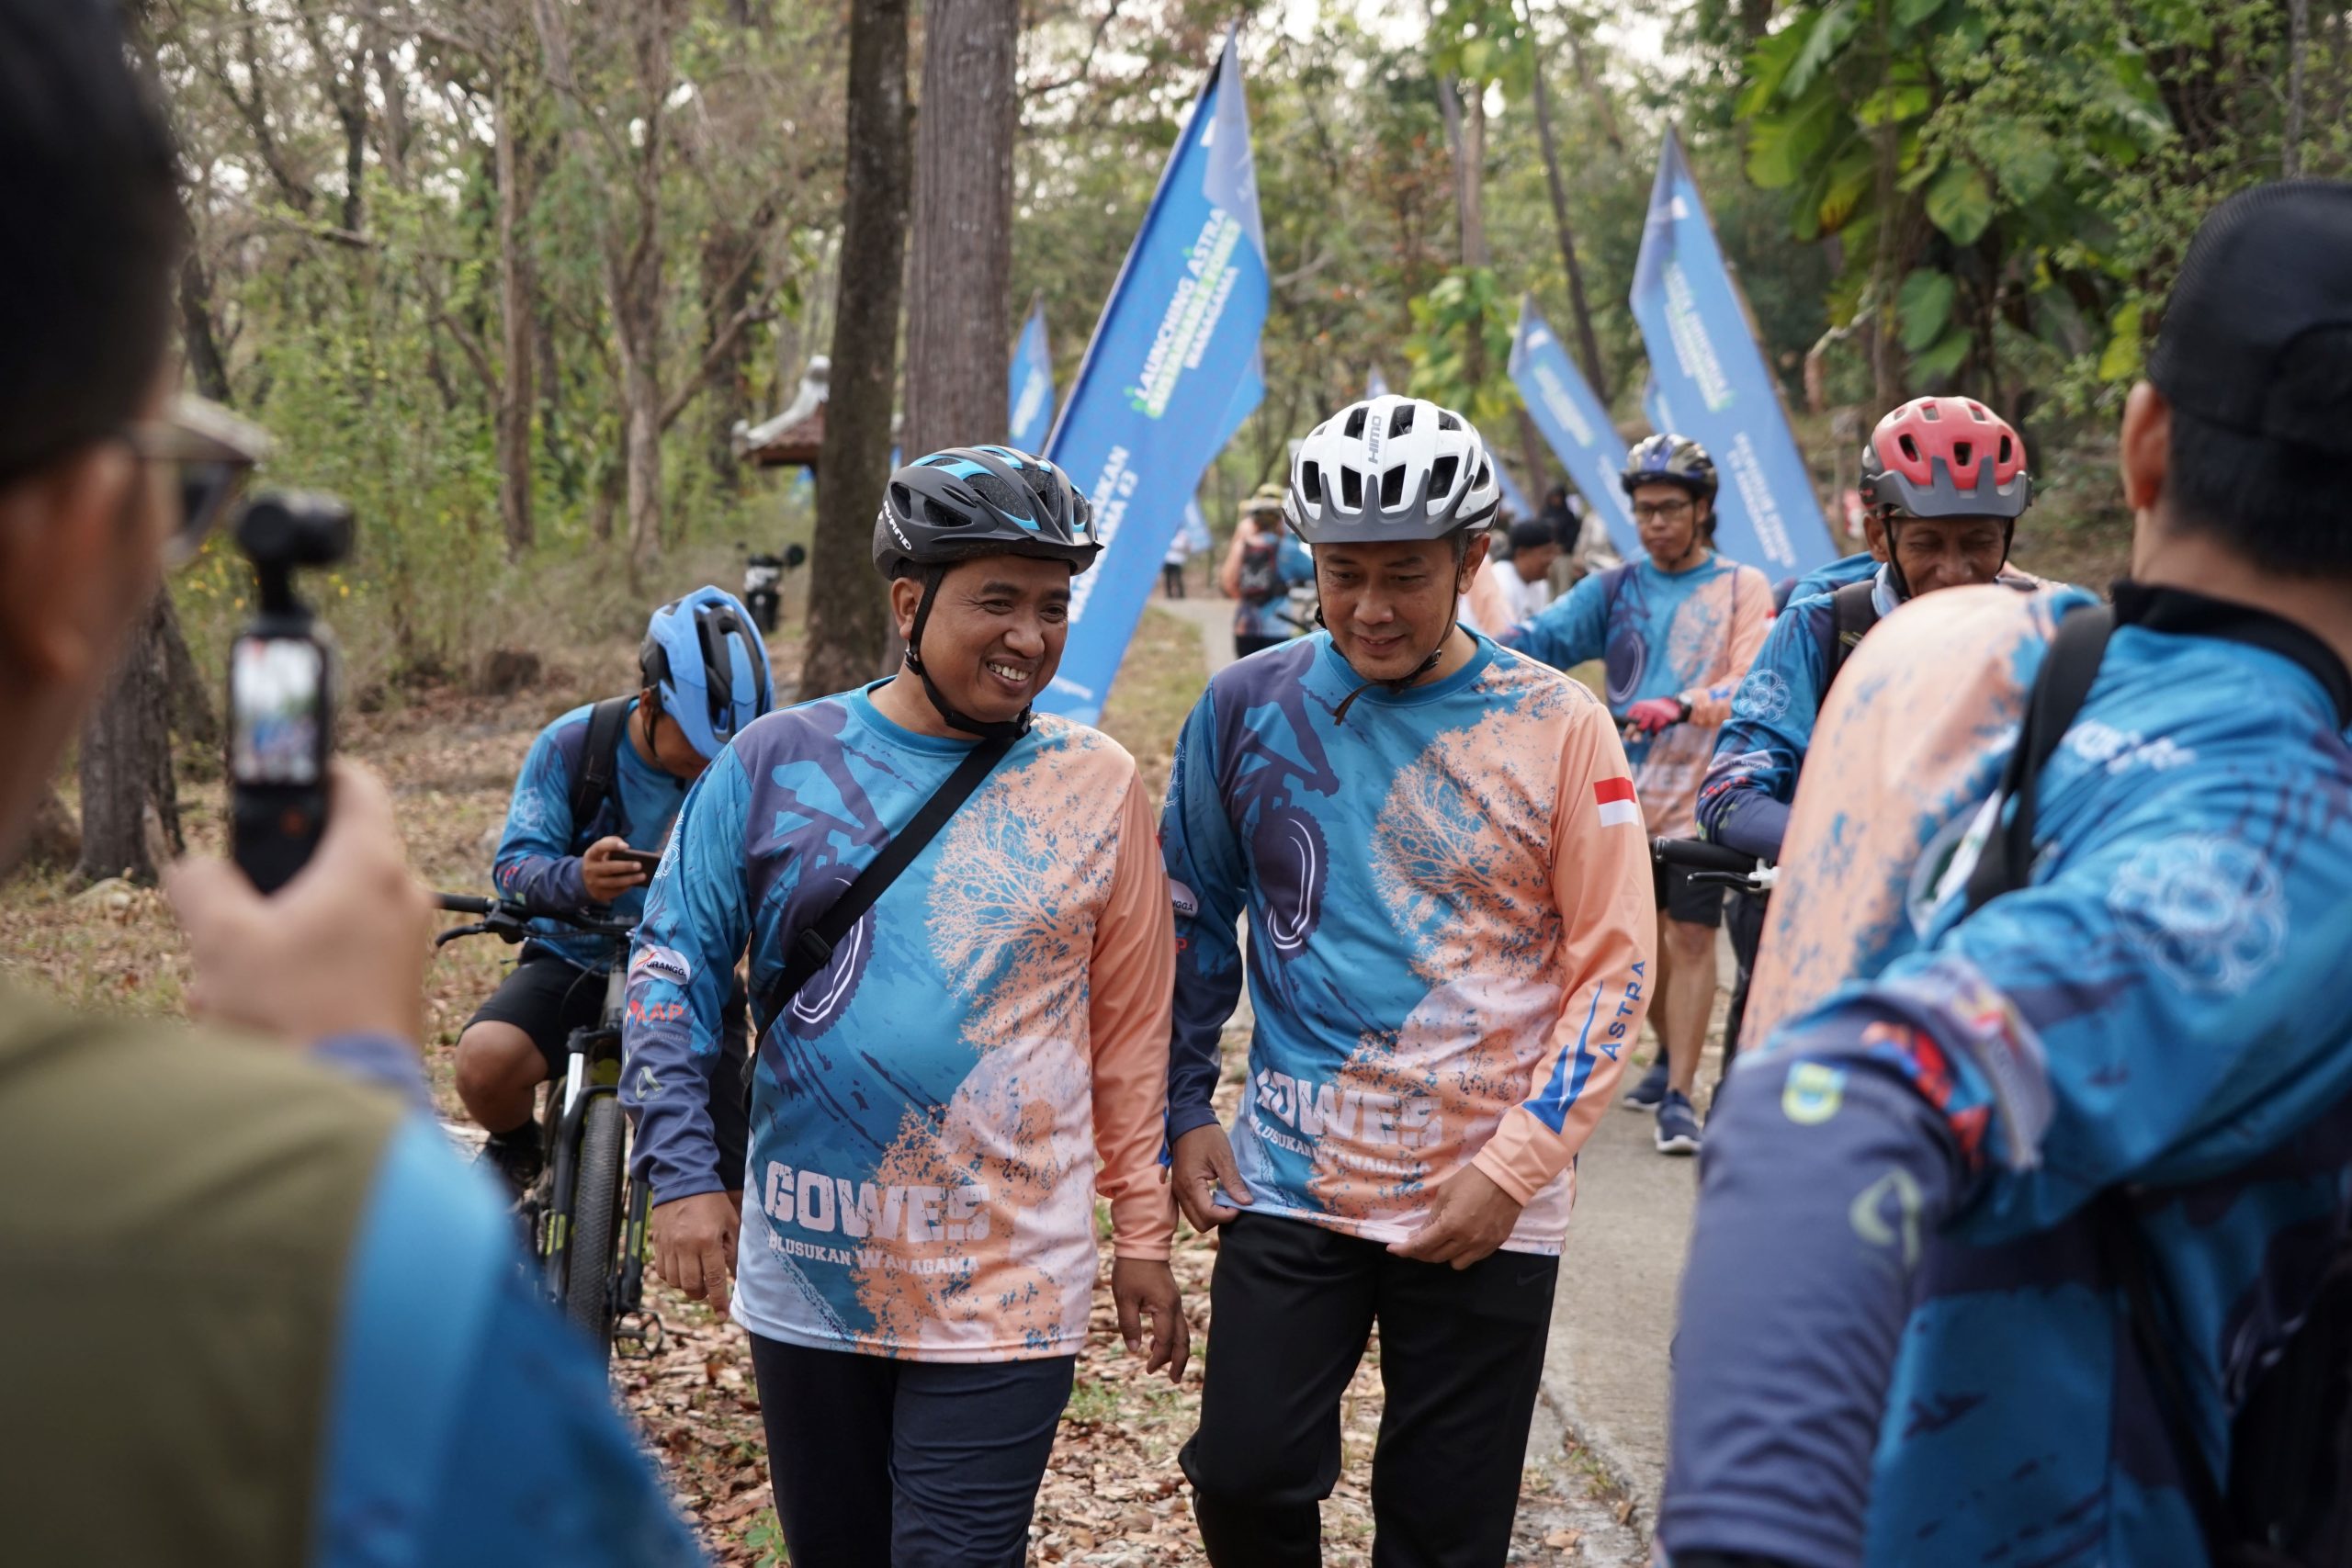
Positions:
(1460, 349)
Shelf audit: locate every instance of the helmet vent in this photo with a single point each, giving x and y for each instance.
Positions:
(1000, 495)
(1350, 490)
(1310, 482)
(1354, 428)
(1441, 475)
(1397, 426)
(1445, 420)
(2003, 457)
(1392, 488)
(1483, 479)
(940, 517)
(1910, 447)
(1963, 455)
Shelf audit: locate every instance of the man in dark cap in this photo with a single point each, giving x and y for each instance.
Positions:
(1526, 576)
(2025, 1236)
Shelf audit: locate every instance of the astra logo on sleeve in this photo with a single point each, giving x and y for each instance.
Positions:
(1615, 798)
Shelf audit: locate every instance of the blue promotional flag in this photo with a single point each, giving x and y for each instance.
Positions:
(1572, 420)
(1172, 370)
(1513, 497)
(1713, 378)
(1032, 385)
(1196, 532)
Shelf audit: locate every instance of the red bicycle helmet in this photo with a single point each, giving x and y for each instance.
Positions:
(1946, 457)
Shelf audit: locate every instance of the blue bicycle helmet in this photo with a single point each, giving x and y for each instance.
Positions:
(703, 661)
(1672, 459)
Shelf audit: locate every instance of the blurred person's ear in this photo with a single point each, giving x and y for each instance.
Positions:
(2144, 455)
(80, 559)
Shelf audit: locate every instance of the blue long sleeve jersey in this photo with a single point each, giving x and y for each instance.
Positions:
(930, 1110)
(1297, 565)
(1744, 801)
(539, 853)
(1898, 1344)
(1448, 897)
(1689, 634)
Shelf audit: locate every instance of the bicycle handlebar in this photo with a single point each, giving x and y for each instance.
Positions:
(510, 921)
(1715, 863)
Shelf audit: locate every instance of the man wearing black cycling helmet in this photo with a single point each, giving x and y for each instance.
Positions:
(939, 1078)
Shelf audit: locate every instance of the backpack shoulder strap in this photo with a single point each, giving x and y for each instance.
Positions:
(814, 947)
(599, 759)
(1853, 611)
(2067, 672)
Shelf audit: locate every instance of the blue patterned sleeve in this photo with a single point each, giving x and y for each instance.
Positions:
(1761, 749)
(2122, 1020)
(1568, 631)
(682, 965)
(1208, 879)
(1296, 561)
(536, 865)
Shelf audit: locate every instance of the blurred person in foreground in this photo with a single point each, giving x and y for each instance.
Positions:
(258, 1312)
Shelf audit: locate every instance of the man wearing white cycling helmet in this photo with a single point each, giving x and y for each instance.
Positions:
(1448, 895)
(1677, 631)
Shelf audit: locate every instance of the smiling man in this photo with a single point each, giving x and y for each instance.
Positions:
(916, 1250)
(1448, 897)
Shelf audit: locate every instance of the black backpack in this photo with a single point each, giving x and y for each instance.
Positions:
(1262, 570)
(2287, 1501)
(594, 784)
(1853, 611)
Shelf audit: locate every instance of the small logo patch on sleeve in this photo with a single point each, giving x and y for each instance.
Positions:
(1615, 798)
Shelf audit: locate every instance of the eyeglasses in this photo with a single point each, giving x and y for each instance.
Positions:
(1670, 510)
(205, 453)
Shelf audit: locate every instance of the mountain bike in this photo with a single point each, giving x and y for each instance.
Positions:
(590, 1264)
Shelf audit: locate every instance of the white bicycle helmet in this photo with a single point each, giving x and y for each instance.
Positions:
(1390, 468)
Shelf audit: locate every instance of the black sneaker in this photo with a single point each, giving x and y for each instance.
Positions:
(518, 1157)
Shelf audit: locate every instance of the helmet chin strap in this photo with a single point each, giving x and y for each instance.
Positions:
(1403, 682)
(953, 717)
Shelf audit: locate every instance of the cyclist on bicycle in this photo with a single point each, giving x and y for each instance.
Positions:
(1677, 630)
(602, 783)
(2004, 1233)
(917, 1255)
(1434, 845)
(1944, 481)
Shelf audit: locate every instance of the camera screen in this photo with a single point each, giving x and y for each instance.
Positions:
(275, 687)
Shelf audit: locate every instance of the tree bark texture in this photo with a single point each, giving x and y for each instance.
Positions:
(1587, 343)
(516, 288)
(847, 616)
(959, 302)
(130, 818)
(730, 276)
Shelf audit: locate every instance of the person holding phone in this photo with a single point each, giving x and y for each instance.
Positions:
(590, 812)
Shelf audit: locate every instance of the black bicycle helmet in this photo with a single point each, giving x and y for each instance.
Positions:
(969, 501)
(1670, 460)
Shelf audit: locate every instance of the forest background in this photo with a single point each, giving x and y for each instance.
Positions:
(507, 274)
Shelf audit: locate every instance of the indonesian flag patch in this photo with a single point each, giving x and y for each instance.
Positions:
(1615, 798)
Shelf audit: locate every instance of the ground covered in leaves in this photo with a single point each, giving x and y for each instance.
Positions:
(1114, 1495)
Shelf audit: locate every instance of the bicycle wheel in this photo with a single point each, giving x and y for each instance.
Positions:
(595, 1221)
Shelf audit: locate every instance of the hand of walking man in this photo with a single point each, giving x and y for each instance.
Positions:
(1468, 1218)
(694, 1246)
(1142, 1288)
(1200, 1166)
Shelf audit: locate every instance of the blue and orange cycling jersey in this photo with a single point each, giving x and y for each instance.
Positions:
(539, 853)
(1900, 1344)
(1448, 900)
(930, 1110)
(1689, 634)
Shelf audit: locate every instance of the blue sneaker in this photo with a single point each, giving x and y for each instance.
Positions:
(1648, 1094)
(1678, 1125)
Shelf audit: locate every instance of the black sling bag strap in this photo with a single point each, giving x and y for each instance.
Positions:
(1853, 612)
(599, 760)
(814, 947)
(2067, 672)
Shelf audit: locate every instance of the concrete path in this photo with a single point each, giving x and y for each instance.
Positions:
(1214, 617)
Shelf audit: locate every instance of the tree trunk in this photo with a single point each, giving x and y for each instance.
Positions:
(1597, 92)
(959, 306)
(1886, 342)
(846, 607)
(1587, 343)
(2298, 31)
(206, 367)
(130, 818)
(1540, 462)
(1465, 136)
(730, 277)
(516, 288)
(187, 689)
